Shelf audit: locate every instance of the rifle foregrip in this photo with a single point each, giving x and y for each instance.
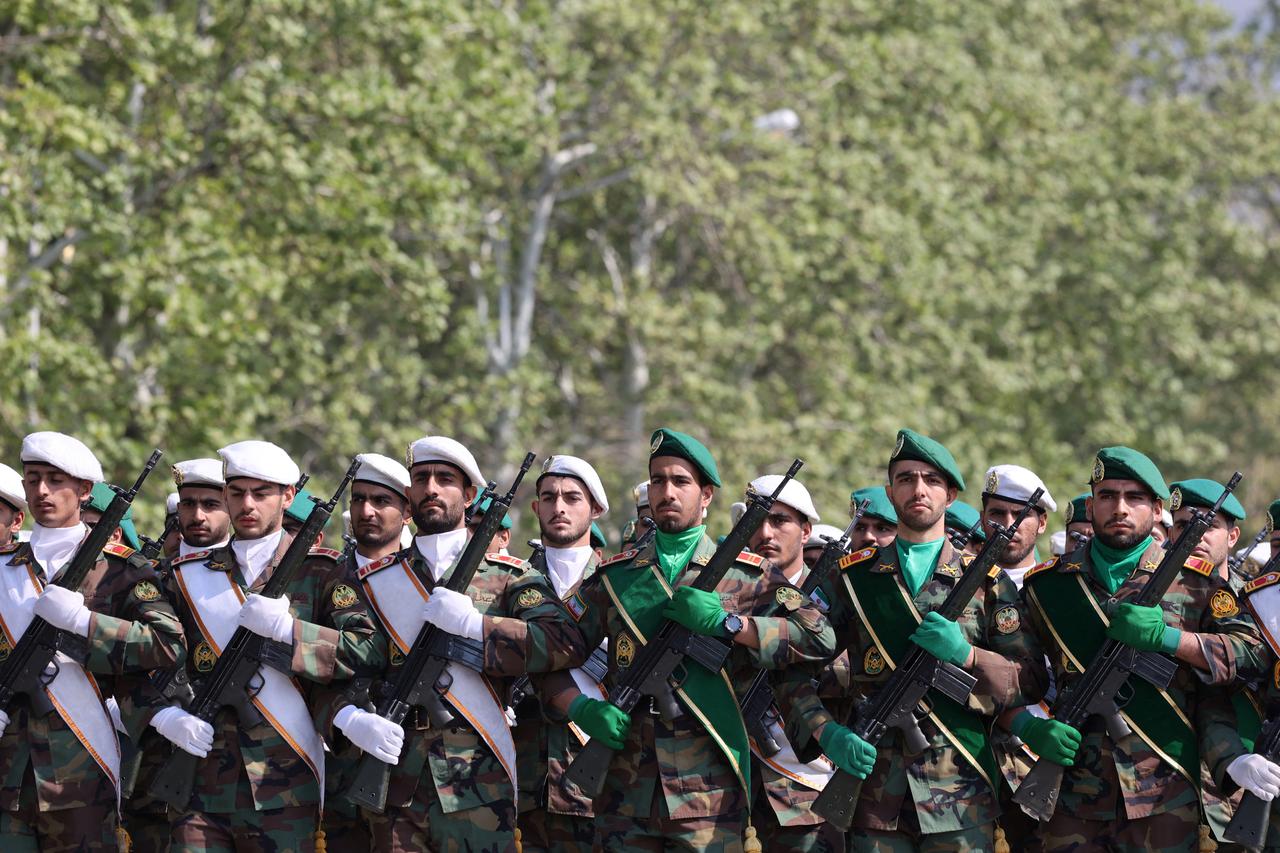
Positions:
(588, 770)
(370, 783)
(838, 800)
(1249, 826)
(175, 780)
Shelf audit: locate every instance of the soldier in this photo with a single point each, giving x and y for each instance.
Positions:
(1140, 791)
(203, 520)
(960, 518)
(818, 536)
(59, 756)
(173, 541)
(554, 816)
(260, 784)
(295, 515)
(598, 541)
(682, 782)
(99, 497)
(1079, 526)
(633, 530)
(944, 798)
(455, 787)
(879, 524)
(501, 539)
(13, 504)
(1009, 489)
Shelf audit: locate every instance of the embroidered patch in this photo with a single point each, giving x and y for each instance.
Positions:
(788, 597)
(5, 648)
(1199, 566)
(1223, 604)
(343, 596)
(146, 591)
(484, 597)
(873, 662)
(394, 655)
(204, 657)
(1275, 675)
(576, 606)
(1007, 620)
(624, 651)
(530, 598)
(856, 557)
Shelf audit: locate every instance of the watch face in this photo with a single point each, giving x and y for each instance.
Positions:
(733, 623)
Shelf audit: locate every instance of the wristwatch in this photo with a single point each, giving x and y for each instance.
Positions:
(732, 624)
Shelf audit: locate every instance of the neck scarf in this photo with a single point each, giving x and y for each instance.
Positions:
(53, 547)
(442, 549)
(566, 566)
(1112, 566)
(676, 549)
(253, 555)
(917, 560)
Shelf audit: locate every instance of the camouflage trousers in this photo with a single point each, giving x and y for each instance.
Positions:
(1172, 831)
(148, 829)
(806, 838)
(345, 828)
(975, 839)
(287, 830)
(423, 826)
(86, 827)
(542, 831)
(658, 832)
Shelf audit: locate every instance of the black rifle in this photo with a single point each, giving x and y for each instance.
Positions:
(653, 672)
(234, 680)
(23, 671)
(1235, 562)
(758, 709)
(424, 677)
(1101, 688)
(152, 548)
(896, 704)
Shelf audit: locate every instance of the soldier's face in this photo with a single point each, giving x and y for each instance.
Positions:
(203, 519)
(1084, 528)
(256, 506)
(675, 496)
(781, 537)
(11, 519)
(871, 531)
(1123, 512)
(378, 514)
(1218, 540)
(91, 517)
(919, 493)
(1004, 513)
(53, 495)
(565, 512)
(438, 497)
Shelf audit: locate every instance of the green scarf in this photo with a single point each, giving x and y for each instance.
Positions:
(917, 560)
(676, 549)
(1112, 566)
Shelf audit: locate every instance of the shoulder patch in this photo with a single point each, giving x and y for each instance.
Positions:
(10, 547)
(750, 559)
(618, 558)
(376, 565)
(531, 597)
(343, 596)
(1223, 604)
(1261, 581)
(116, 549)
(856, 557)
(192, 557)
(146, 591)
(325, 552)
(1199, 566)
(506, 560)
(1046, 566)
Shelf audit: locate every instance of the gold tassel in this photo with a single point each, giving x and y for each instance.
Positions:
(321, 845)
(1207, 844)
(518, 836)
(123, 842)
(1002, 844)
(750, 844)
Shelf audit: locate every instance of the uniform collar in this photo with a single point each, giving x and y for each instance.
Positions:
(254, 555)
(441, 550)
(53, 547)
(567, 567)
(184, 549)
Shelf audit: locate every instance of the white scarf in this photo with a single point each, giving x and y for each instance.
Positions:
(54, 547)
(441, 550)
(184, 549)
(566, 566)
(254, 554)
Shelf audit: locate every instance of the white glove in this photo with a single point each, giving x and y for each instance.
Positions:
(375, 735)
(268, 617)
(185, 731)
(64, 609)
(4, 722)
(454, 613)
(1256, 775)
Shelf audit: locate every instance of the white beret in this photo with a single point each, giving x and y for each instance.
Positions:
(171, 503)
(737, 509)
(441, 448)
(382, 470)
(1166, 518)
(794, 494)
(816, 539)
(1016, 484)
(1058, 543)
(572, 466)
(11, 489)
(64, 453)
(199, 472)
(641, 494)
(260, 460)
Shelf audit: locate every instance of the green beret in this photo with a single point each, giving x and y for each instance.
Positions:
(301, 506)
(879, 506)
(1204, 493)
(481, 507)
(960, 516)
(913, 445)
(597, 537)
(99, 499)
(1076, 511)
(1273, 512)
(668, 442)
(1125, 463)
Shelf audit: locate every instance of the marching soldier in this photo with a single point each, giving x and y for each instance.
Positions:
(502, 539)
(945, 798)
(633, 529)
(13, 504)
(682, 782)
(960, 518)
(173, 541)
(1139, 792)
(879, 524)
(1008, 489)
(455, 787)
(91, 510)
(60, 756)
(1079, 526)
(259, 785)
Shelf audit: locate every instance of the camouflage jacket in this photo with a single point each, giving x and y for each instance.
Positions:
(949, 793)
(132, 630)
(679, 759)
(526, 629)
(334, 639)
(1127, 778)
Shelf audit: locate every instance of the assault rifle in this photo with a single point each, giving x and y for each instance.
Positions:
(1100, 689)
(152, 548)
(1238, 559)
(896, 704)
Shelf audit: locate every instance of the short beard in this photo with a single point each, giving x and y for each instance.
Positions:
(567, 540)
(377, 540)
(204, 540)
(921, 526)
(451, 520)
(1124, 541)
(680, 525)
(1010, 557)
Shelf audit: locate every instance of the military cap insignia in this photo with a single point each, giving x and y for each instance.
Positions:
(619, 558)
(897, 448)
(343, 596)
(529, 598)
(1197, 565)
(1099, 470)
(750, 559)
(1223, 604)
(1007, 619)
(177, 476)
(856, 557)
(993, 483)
(5, 648)
(788, 597)
(204, 657)
(873, 661)
(576, 607)
(1175, 500)
(624, 651)
(656, 443)
(1070, 512)
(146, 591)
(115, 549)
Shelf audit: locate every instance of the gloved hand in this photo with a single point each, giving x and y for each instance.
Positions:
(1142, 628)
(849, 752)
(1256, 775)
(375, 735)
(4, 722)
(268, 617)
(697, 610)
(1052, 740)
(64, 609)
(600, 720)
(942, 638)
(185, 731)
(454, 613)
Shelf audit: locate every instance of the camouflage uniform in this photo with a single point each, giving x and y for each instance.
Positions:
(253, 791)
(937, 800)
(449, 791)
(670, 785)
(52, 793)
(1123, 795)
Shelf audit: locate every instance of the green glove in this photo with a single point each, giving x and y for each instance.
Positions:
(1142, 628)
(697, 610)
(1050, 739)
(849, 752)
(942, 638)
(600, 720)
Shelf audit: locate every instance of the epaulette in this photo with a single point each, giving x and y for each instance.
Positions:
(1261, 581)
(376, 565)
(856, 557)
(994, 571)
(191, 558)
(116, 549)
(1047, 565)
(10, 547)
(1199, 566)
(325, 552)
(505, 559)
(619, 558)
(750, 559)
